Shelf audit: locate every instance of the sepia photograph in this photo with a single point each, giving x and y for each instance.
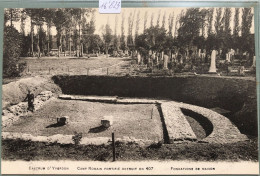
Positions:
(144, 86)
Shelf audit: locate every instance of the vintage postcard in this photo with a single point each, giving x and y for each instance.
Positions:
(148, 90)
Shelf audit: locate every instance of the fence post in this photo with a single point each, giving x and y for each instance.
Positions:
(28, 68)
(114, 147)
(152, 114)
(49, 70)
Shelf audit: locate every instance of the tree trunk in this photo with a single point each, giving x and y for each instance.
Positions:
(81, 49)
(38, 44)
(48, 45)
(106, 51)
(59, 47)
(79, 42)
(70, 43)
(32, 28)
(11, 20)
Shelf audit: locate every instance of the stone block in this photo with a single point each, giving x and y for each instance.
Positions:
(63, 120)
(107, 121)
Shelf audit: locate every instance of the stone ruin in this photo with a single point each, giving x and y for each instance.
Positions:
(107, 121)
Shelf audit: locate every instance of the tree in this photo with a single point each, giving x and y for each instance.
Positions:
(247, 38)
(151, 22)
(115, 38)
(226, 36)
(236, 28)
(37, 19)
(247, 17)
(145, 19)
(22, 24)
(176, 25)
(49, 15)
(218, 22)
(96, 44)
(210, 20)
(42, 39)
(204, 13)
(158, 19)
(12, 15)
(190, 25)
(163, 20)
(170, 23)
(11, 53)
(79, 15)
(122, 39)
(107, 37)
(130, 41)
(59, 21)
(155, 39)
(88, 29)
(227, 18)
(137, 23)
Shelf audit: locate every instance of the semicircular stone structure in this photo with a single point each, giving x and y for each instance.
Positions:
(179, 128)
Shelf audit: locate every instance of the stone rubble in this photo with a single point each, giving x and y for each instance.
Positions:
(67, 139)
(13, 113)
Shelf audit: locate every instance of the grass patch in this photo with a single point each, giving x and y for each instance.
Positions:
(28, 150)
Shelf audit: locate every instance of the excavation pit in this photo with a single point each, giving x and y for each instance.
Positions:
(132, 121)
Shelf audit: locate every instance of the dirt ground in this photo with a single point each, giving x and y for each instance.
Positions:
(129, 120)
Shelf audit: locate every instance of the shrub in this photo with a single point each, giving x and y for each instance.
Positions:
(77, 138)
(11, 53)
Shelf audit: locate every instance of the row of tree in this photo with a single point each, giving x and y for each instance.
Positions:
(196, 31)
(192, 29)
(74, 30)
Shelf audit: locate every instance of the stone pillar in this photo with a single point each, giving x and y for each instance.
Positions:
(181, 59)
(212, 68)
(149, 59)
(138, 58)
(153, 57)
(228, 57)
(162, 55)
(254, 62)
(237, 52)
(199, 53)
(165, 61)
(241, 71)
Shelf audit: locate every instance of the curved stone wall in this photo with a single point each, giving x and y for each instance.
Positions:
(237, 95)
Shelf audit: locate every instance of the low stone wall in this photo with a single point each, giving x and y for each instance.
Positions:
(237, 95)
(67, 139)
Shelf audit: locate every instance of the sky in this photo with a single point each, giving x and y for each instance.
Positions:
(103, 19)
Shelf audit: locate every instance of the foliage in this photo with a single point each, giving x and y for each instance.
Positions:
(25, 46)
(11, 53)
(12, 15)
(107, 37)
(247, 17)
(154, 38)
(77, 138)
(227, 18)
(95, 43)
(190, 25)
(210, 20)
(170, 23)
